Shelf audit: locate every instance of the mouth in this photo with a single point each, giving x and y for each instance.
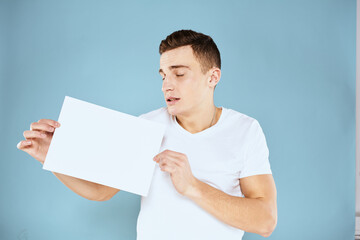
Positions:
(172, 100)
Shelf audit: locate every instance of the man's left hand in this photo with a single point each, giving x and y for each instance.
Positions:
(178, 166)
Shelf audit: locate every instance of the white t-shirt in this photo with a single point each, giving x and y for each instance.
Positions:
(233, 148)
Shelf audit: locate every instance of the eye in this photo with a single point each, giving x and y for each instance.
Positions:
(179, 75)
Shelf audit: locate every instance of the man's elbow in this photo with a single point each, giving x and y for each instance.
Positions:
(105, 193)
(100, 198)
(267, 234)
(270, 228)
(104, 199)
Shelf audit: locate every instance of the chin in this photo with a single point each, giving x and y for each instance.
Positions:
(172, 110)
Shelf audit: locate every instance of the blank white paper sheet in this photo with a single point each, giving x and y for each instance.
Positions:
(104, 146)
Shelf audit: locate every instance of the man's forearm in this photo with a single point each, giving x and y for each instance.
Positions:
(86, 189)
(250, 215)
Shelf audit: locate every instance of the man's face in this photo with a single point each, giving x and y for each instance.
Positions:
(183, 79)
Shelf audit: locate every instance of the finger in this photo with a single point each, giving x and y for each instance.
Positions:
(34, 134)
(172, 160)
(174, 154)
(23, 144)
(169, 153)
(157, 158)
(41, 127)
(50, 122)
(167, 162)
(166, 153)
(167, 168)
(161, 155)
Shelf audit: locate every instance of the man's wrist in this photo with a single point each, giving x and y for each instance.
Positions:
(194, 191)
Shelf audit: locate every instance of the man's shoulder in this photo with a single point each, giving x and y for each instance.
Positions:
(242, 124)
(239, 117)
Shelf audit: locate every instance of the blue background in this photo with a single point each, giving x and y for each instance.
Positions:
(289, 64)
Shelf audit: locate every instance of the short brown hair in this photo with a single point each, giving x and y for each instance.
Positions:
(204, 48)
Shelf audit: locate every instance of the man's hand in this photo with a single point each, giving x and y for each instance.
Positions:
(178, 166)
(38, 138)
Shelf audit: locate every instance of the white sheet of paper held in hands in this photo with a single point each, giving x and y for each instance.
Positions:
(104, 146)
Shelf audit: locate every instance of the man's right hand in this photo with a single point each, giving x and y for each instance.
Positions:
(38, 138)
(38, 148)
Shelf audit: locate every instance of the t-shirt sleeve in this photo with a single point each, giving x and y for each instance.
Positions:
(257, 153)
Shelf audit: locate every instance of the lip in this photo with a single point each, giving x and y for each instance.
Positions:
(170, 97)
(173, 102)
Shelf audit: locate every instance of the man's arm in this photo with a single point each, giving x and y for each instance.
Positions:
(86, 189)
(256, 212)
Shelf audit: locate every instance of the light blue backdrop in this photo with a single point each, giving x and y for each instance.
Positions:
(289, 64)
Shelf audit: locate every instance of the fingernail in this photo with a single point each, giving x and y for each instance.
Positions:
(51, 129)
(27, 142)
(43, 135)
(57, 124)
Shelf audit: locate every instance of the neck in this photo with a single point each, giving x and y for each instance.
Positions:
(200, 119)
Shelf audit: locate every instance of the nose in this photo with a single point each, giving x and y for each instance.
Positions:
(167, 85)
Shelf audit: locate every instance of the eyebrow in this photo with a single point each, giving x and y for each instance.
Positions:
(174, 67)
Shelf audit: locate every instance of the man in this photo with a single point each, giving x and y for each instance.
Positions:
(214, 179)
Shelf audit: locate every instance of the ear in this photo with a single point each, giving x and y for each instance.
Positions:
(214, 78)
